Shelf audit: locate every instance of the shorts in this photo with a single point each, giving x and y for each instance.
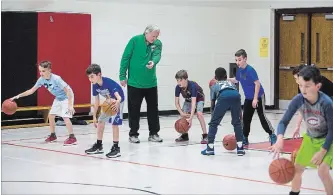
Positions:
(60, 108)
(114, 120)
(187, 107)
(310, 146)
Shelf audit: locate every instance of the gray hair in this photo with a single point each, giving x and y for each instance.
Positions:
(151, 28)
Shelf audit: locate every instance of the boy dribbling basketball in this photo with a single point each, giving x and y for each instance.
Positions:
(112, 91)
(63, 103)
(317, 148)
(194, 101)
(226, 95)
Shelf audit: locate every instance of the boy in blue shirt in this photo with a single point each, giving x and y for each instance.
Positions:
(63, 103)
(226, 95)
(254, 97)
(316, 150)
(112, 92)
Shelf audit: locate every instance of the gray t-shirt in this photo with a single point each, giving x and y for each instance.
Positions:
(220, 86)
(318, 117)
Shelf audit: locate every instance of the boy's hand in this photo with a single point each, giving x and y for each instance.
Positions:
(317, 159)
(277, 147)
(116, 105)
(185, 115)
(15, 97)
(254, 103)
(71, 110)
(296, 134)
(189, 120)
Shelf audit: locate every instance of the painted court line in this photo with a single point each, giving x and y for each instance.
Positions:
(160, 167)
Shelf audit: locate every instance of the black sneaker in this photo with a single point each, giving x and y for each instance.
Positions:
(95, 149)
(182, 138)
(114, 153)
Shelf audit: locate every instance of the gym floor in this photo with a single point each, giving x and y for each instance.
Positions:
(30, 166)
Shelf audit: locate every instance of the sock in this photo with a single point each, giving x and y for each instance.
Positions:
(239, 144)
(115, 144)
(71, 135)
(293, 193)
(99, 142)
(204, 135)
(53, 134)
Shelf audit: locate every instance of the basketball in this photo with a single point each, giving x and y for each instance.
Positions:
(281, 171)
(212, 82)
(106, 108)
(182, 126)
(229, 142)
(293, 156)
(9, 107)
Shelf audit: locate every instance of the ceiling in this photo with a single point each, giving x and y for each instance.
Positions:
(251, 4)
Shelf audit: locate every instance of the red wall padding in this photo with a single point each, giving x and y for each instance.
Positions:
(65, 40)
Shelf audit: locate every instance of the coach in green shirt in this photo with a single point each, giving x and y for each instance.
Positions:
(139, 60)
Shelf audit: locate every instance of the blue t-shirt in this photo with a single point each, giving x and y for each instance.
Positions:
(219, 86)
(192, 90)
(246, 77)
(108, 89)
(318, 117)
(55, 85)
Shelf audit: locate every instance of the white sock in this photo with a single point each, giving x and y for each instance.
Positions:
(239, 144)
(211, 145)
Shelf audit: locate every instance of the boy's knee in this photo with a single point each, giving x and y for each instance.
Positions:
(67, 120)
(323, 170)
(199, 114)
(299, 169)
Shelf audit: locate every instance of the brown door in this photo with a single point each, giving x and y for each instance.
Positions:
(322, 44)
(293, 52)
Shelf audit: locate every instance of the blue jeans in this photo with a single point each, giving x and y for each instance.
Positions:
(228, 99)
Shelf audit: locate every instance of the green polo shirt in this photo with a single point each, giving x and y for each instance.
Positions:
(136, 56)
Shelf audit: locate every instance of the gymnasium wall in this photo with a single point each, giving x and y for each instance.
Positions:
(31, 37)
(195, 38)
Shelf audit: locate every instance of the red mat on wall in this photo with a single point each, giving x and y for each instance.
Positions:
(289, 145)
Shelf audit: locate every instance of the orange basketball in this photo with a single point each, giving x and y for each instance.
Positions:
(212, 82)
(182, 126)
(106, 108)
(281, 171)
(293, 156)
(230, 142)
(9, 107)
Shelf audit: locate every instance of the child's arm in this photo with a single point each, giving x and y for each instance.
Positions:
(295, 103)
(96, 105)
(26, 93)
(178, 106)
(298, 125)
(118, 100)
(193, 106)
(213, 92)
(233, 80)
(69, 94)
(329, 121)
(256, 89)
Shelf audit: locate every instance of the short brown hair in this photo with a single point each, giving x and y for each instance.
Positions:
(45, 64)
(297, 69)
(182, 74)
(93, 69)
(240, 53)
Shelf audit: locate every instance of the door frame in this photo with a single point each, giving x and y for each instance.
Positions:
(277, 15)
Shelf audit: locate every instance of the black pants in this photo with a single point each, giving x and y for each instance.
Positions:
(248, 114)
(135, 97)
